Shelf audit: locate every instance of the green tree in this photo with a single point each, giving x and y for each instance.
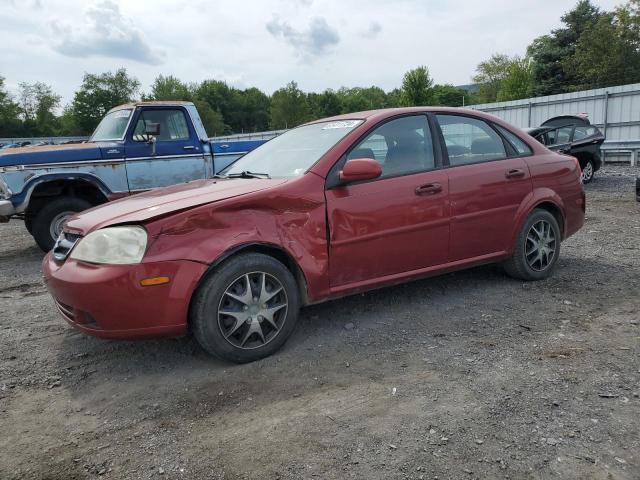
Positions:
(549, 53)
(608, 52)
(448, 95)
(289, 107)
(98, 94)
(170, 88)
(38, 103)
(503, 78)
(325, 104)
(417, 87)
(518, 81)
(251, 110)
(9, 110)
(489, 76)
(358, 99)
(211, 119)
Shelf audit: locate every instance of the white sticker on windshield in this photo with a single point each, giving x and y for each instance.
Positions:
(122, 113)
(342, 124)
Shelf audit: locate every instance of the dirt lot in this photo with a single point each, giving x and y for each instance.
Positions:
(470, 375)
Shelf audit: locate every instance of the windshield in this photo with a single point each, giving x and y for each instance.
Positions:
(112, 126)
(294, 152)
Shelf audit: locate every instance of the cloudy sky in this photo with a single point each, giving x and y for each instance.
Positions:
(319, 43)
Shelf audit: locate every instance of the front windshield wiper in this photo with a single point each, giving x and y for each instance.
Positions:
(248, 174)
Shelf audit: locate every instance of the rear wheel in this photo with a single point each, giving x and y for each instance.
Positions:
(537, 248)
(587, 172)
(47, 223)
(246, 309)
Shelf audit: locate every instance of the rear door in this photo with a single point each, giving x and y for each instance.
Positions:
(488, 180)
(178, 157)
(398, 222)
(559, 139)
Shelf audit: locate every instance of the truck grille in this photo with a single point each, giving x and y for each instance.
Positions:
(65, 243)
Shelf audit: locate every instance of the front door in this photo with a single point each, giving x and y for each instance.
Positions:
(488, 180)
(398, 222)
(178, 157)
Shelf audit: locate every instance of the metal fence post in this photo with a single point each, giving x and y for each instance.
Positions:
(606, 112)
(529, 115)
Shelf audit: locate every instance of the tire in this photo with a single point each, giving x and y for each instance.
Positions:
(28, 224)
(533, 266)
(245, 335)
(50, 218)
(588, 169)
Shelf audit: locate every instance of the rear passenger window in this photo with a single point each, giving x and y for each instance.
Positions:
(583, 132)
(470, 140)
(401, 146)
(519, 145)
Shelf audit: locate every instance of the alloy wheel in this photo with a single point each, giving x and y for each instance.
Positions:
(540, 245)
(252, 310)
(587, 172)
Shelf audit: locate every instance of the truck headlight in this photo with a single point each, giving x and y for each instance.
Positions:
(112, 245)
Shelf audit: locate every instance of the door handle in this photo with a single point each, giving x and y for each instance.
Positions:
(429, 189)
(515, 173)
(189, 147)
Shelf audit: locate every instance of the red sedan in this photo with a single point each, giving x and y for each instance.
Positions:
(328, 209)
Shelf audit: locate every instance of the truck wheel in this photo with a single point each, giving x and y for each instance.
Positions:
(246, 309)
(48, 221)
(537, 248)
(28, 223)
(587, 172)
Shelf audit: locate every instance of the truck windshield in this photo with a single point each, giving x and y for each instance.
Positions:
(112, 126)
(294, 152)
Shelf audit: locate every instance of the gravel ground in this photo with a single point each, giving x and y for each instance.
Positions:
(469, 375)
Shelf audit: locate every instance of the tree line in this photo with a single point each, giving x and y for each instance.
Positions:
(593, 48)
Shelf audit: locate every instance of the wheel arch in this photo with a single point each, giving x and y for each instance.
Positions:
(270, 249)
(554, 210)
(84, 186)
(543, 198)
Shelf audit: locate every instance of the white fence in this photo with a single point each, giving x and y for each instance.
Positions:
(615, 110)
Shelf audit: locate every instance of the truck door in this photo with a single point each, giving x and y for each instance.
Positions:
(178, 154)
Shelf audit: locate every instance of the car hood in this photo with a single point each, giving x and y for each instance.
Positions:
(49, 154)
(163, 201)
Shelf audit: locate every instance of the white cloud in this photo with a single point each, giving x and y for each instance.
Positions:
(354, 43)
(316, 40)
(105, 32)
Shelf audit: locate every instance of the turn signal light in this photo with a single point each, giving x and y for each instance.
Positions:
(149, 282)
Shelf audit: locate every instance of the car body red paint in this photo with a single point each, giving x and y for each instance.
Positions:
(340, 240)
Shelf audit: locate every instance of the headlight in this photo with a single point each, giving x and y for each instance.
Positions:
(114, 245)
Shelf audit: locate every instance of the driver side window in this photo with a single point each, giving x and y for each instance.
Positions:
(173, 125)
(401, 146)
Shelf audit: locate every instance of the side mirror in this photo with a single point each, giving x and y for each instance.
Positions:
(151, 129)
(358, 169)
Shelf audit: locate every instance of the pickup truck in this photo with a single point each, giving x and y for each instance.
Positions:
(136, 147)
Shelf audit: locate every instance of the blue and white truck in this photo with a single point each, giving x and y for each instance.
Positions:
(136, 147)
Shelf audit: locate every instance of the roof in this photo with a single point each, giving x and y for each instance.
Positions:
(390, 112)
(152, 103)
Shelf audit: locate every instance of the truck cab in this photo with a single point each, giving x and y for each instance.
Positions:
(136, 147)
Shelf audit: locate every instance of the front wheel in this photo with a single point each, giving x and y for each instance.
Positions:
(587, 172)
(246, 309)
(537, 248)
(47, 223)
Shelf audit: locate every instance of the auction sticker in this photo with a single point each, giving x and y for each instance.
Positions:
(342, 124)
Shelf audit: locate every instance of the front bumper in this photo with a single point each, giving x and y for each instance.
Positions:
(108, 301)
(6, 208)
